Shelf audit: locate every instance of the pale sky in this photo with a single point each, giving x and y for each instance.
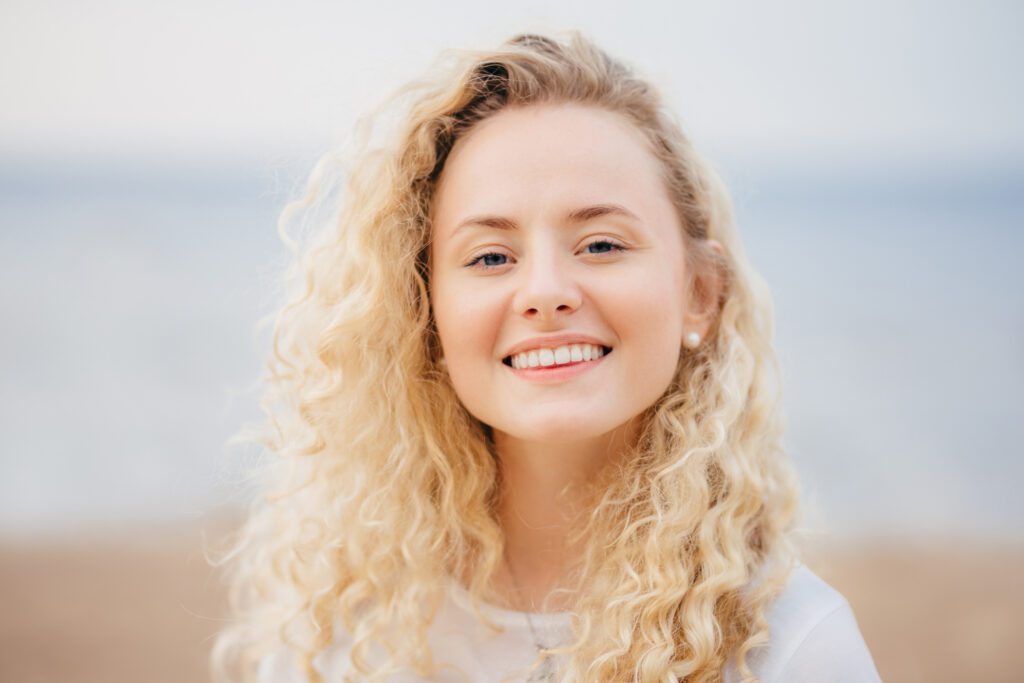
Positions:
(860, 81)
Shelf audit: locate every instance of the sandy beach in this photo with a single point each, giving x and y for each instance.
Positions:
(143, 608)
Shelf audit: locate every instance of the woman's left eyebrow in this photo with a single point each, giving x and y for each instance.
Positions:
(579, 215)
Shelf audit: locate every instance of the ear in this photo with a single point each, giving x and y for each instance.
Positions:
(702, 307)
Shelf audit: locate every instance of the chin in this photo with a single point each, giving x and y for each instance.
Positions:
(558, 429)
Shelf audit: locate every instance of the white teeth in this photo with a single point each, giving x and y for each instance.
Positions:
(546, 357)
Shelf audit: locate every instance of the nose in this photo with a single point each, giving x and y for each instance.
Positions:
(547, 289)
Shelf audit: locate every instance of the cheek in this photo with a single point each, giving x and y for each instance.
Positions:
(467, 322)
(648, 309)
(648, 320)
(654, 336)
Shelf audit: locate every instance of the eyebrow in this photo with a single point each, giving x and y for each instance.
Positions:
(580, 215)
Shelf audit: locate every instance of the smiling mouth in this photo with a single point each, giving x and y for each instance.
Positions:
(507, 360)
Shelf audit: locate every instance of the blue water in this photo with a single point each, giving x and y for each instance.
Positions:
(130, 299)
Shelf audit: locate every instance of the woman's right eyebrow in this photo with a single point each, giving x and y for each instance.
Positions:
(579, 215)
(496, 222)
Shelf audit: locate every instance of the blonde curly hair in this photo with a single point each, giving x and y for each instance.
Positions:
(381, 484)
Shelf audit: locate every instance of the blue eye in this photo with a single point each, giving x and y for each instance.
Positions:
(613, 247)
(493, 259)
(487, 260)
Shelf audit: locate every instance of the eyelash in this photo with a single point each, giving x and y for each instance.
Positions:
(616, 247)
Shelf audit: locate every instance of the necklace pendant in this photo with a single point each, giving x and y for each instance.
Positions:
(545, 673)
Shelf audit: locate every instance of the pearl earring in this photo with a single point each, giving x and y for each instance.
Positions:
(692, 340)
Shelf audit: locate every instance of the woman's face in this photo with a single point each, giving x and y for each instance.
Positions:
(553, 236)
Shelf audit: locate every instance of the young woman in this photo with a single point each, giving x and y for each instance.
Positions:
(525, 409)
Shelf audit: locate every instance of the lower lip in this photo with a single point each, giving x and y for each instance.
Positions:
(553, 374)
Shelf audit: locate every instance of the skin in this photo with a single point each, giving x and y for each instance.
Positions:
(532, 166)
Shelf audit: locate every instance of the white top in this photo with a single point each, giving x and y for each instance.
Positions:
(814, 638)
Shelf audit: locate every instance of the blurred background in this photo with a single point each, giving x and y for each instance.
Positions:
(874, 152)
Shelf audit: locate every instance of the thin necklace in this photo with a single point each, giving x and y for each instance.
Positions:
(546, 672)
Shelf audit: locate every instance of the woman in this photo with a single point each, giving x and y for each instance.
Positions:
(525, 407)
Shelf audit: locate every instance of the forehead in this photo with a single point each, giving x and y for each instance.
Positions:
(526, 158)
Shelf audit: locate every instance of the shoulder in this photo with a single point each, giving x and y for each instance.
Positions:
(282, 665)
(813, 636)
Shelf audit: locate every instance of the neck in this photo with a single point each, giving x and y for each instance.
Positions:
(544, 493)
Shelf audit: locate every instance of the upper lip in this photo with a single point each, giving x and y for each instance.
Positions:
(553, 342)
